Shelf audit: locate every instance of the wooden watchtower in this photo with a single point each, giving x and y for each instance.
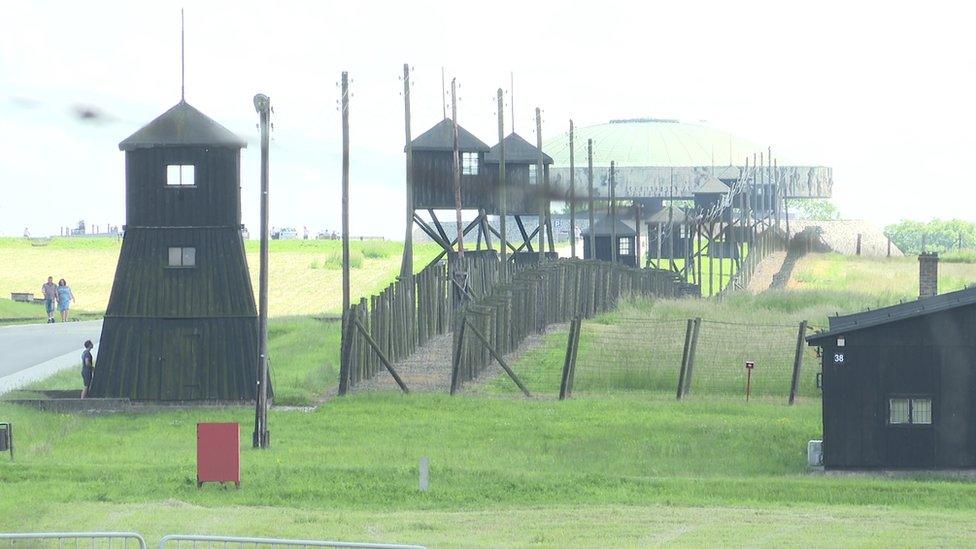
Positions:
(181, 322)
(433, 180)
(523, 190)
(432, 177)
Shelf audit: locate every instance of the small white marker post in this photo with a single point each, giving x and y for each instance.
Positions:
(424, 473)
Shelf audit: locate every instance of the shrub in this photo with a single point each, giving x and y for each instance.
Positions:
(375, 249)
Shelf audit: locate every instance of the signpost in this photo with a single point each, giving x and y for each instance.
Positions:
(749, 366)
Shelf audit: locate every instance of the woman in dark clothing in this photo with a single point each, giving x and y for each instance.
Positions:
(87, 367)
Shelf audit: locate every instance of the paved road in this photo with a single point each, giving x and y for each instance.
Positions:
(26, 345)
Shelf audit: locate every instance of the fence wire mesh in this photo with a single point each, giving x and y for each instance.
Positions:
(724, 348)
(640, 354)
(629, 354)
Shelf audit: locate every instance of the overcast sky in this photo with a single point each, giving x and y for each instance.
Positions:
(884, 95)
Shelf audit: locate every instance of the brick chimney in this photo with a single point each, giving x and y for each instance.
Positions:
(928, 274)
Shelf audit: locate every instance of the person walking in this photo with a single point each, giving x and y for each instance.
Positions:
(65, 297)
(50, 292)
(87, 368)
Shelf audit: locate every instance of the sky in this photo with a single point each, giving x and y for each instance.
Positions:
(880, 93)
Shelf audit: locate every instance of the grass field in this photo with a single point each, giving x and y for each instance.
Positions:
(348, 470)
(305, 275)
(887, 279)
(625, 468)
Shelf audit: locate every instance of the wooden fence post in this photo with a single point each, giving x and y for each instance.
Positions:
(858, 247)
(797, 361)
(690, 369)
(684, 359)
(569, 364)
(344, 352)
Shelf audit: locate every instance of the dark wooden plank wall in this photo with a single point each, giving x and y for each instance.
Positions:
(214, 200)
(177, 359)
(219, 285)
(433, 182)
(929, 355)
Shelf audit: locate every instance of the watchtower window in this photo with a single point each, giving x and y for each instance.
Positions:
(179, 175)
(183, 256)
(533, 178)
(910, 411)
(469, 163)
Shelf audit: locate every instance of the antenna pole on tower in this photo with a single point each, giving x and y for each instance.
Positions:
(443, 95)
(182, 58)
(511, 96)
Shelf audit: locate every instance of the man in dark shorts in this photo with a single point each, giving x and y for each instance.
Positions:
(87, 367)
(50, 291)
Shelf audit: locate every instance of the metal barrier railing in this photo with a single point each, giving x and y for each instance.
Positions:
(59, 539)
(221, 541)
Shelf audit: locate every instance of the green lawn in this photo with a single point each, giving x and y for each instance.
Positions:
(356, 458)
(623, 467)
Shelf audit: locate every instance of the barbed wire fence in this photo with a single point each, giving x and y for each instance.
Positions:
(692, 358)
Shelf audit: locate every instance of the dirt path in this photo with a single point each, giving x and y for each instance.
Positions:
(426, 371)
(762, 279)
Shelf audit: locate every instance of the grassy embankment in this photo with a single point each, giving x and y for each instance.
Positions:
(621, 468)
(304, 278)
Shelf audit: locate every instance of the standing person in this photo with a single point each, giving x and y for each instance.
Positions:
(87, 368)
(50, 292)
(65, 297)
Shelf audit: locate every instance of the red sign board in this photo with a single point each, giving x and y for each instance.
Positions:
(218, 453)
(750, 365)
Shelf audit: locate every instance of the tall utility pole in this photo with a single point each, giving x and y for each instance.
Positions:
(572, 195)
(502, 191)
(589, 206)
(406, 268)
(540, 183)
(262, 104)
(613, 216)
(457, 171)
(345, 192)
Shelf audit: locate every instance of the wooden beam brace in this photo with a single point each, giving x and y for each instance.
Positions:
(496, 356)
(379, 353)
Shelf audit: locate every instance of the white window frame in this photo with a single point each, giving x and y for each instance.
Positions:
(917, 406)
(623, 246)
(180, 176)
(181, 257)
(533, 174)
(469, 163)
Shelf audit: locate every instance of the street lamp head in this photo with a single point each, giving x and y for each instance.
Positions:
(261, 103)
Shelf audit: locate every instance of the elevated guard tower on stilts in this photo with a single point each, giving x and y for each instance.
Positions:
(524, 188)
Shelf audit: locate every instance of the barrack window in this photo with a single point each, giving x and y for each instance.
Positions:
(533, 176)
(623, 246)
(469, 163)
(910, 411)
